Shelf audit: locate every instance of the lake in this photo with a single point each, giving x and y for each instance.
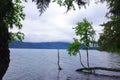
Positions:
(41, 64)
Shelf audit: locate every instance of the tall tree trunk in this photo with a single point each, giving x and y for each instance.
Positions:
(59, 68)
(81, 60)
(4, 49)
(6, 10)
(87, 57)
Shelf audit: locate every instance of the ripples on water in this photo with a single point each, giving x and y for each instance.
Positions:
(41, 64)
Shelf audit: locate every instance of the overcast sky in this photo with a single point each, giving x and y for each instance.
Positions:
(56, 25)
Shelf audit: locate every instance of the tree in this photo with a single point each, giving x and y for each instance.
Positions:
(86, 33)
(6, 8)
(73, 49)
(10, 14)
(69, 4)
(86, 36)
(110, 39)
(42, 5)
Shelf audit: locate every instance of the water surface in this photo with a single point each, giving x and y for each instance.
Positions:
(41, 64)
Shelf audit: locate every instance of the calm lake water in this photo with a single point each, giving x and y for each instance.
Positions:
(41, 64)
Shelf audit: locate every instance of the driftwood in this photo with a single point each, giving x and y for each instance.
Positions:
(98, 68)
(91, 70)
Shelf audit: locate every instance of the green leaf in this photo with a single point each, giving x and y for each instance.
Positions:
(73, 48)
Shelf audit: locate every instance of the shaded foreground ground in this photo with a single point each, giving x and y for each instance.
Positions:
(41, 64)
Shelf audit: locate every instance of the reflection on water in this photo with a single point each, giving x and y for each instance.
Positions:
(58, 75)
(41, 64)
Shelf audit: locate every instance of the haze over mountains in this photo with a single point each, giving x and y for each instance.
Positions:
(43, 45)
(40, 45)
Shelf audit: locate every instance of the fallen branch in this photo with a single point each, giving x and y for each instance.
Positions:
(91, 70)
(99, 68)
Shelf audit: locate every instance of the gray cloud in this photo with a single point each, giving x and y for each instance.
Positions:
(55, 24)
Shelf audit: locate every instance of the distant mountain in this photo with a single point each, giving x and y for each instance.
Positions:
(41, 45)
(44, 45)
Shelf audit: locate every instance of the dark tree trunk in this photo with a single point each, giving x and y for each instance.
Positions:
(4, 50)
(87, 57)
(81, 60)
(6, 15)
(59, 68)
